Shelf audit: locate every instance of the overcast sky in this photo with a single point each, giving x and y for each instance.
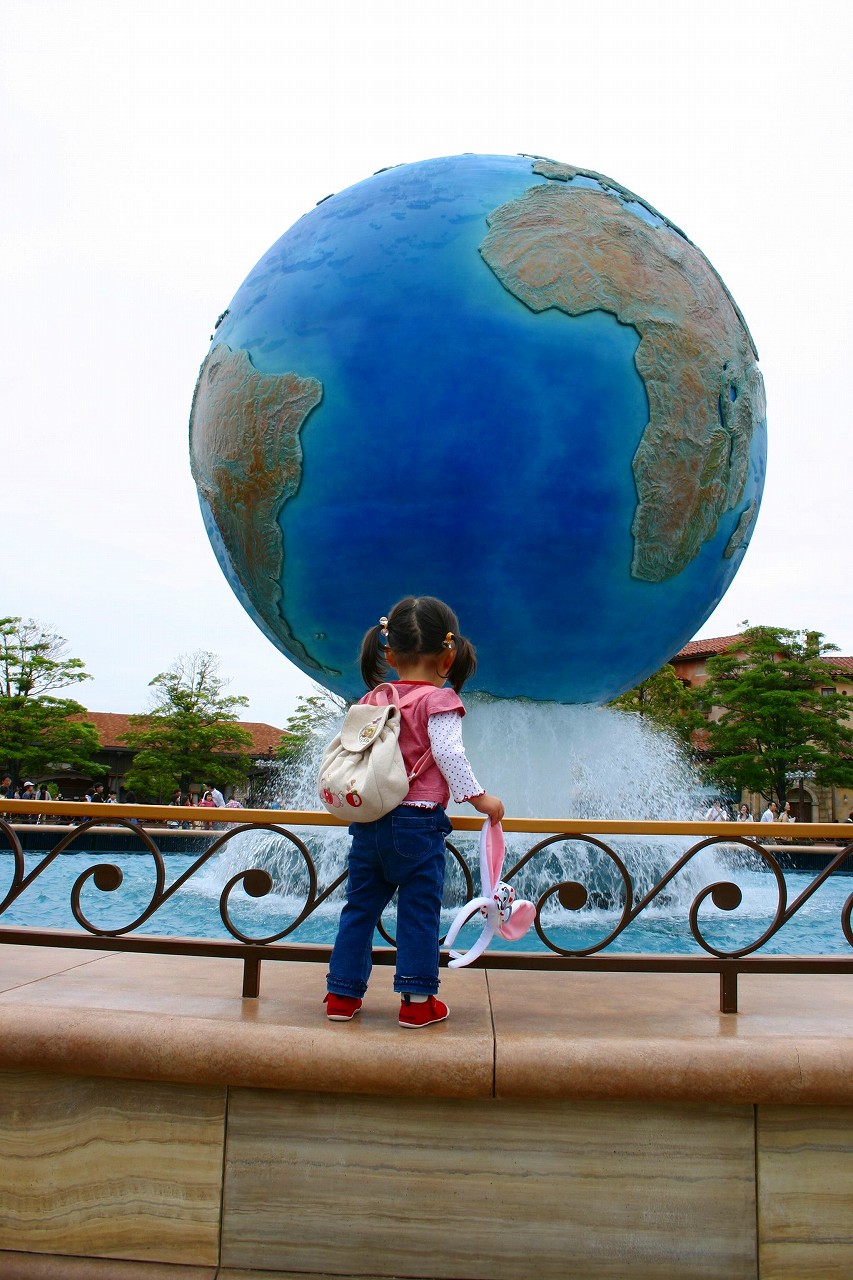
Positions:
(151, 153)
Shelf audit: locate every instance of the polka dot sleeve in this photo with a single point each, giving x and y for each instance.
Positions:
(445, 739)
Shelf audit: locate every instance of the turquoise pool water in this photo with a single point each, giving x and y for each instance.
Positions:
(194, 910)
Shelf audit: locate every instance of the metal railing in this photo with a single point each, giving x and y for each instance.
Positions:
(145, 825)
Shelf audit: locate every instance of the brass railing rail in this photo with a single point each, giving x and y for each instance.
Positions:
(765, 845)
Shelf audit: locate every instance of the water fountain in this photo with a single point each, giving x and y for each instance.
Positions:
(544, 760)
(548, 760)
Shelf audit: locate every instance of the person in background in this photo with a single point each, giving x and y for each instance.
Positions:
(130, 798)
(771, 813)
(207, 802)
(189, 802)
(744, 814)
(216, 795)
(177, 798)
(716, 813)
(7, 792)
(233, 803)
(786, 815)
(27, 792)
(42, 794)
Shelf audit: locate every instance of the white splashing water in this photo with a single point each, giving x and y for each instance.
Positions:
(547, 760)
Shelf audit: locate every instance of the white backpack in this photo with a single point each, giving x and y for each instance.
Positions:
(363, 775)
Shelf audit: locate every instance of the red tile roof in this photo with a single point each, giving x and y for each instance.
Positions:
(838, 663)
(113, 728)
(722, 644)
(705, 648)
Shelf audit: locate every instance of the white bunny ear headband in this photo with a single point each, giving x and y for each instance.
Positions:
(501, 912)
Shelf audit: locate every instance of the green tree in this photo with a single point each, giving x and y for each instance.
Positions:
(777, 713)
(314, 722)
(314, 717)
(190, 733)
(39, 730)
(664, 701)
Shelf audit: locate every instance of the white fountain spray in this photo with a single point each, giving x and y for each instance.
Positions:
(549, 760)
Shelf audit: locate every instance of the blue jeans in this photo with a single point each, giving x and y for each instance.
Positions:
(403, 851)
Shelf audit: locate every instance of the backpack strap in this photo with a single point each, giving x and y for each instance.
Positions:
(421, 765)
(389, 695)
(392, 695)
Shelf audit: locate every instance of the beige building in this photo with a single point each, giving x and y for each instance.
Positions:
(809, 803)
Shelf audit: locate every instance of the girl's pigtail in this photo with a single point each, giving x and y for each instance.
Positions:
(374, 668)
(464, 663)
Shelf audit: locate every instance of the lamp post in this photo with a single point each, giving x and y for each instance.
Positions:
(799, 775)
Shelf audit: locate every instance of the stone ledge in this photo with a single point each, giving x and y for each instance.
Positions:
(183, 1020)
(551, 1036)
(661, 1037)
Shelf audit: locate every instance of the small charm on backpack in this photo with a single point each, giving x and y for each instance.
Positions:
(368, 733)
(329, 798)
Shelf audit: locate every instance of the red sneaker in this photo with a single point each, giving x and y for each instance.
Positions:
(341, 1008)
(422, 1013)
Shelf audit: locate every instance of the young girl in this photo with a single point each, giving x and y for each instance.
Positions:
(404, 851)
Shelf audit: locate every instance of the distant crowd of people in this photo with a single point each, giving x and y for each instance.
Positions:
(209, 798)
(25, 791)
(719, 813)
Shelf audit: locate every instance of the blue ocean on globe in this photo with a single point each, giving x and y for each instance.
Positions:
(499, 380)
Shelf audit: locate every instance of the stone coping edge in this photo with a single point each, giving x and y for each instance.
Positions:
(201, 1051)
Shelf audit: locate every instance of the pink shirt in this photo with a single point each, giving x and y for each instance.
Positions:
(430, 786)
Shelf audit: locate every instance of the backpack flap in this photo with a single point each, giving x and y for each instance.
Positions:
(363, 724)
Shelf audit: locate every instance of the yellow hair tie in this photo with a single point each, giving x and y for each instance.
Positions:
(448, 641)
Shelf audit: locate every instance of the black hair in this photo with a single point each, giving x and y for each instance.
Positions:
(417, 625)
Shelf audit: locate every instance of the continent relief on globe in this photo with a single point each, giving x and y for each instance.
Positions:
(580, 249)
(246, 459)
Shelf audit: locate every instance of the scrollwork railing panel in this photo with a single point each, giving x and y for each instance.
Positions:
(578, 875)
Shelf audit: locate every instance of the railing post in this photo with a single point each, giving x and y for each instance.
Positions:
(251, 977)
(728, 989)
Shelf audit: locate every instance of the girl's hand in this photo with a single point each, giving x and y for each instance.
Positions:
(491, 806)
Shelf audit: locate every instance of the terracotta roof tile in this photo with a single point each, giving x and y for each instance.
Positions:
(838, 663)
(722, 644)
(705, 648)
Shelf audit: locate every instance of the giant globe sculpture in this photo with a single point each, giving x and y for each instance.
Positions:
(504, 381)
